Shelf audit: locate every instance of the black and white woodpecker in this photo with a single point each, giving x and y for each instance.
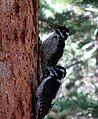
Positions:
(48, 89)
(52, 48)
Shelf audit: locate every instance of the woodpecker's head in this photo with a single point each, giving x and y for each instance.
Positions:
(62, 31)
(58, 71)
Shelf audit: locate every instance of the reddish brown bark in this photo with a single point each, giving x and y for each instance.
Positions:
(18, 58)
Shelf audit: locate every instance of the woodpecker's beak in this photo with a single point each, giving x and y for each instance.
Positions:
(53, 27)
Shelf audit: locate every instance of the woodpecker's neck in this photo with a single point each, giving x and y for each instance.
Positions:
(61, 35)
(54, 74)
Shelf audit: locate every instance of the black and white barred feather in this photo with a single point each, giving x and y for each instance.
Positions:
(52, 48)
(47, 90)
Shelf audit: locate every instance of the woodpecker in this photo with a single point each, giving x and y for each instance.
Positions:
(48, 89)
(52, 48)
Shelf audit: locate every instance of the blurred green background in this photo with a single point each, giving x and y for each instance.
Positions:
(78, 98)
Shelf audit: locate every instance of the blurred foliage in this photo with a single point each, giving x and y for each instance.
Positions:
(80, 54)
(78, 106)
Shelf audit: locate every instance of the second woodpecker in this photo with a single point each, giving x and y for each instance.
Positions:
(52, 48)
(48, 89)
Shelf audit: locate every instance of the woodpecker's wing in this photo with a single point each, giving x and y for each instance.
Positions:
(48, 48)
(50, 89)
(49, 51)
(44, 98)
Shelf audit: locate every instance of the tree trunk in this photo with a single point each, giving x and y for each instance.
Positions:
(18, 58)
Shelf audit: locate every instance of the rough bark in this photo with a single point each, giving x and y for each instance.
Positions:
(18, 58)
